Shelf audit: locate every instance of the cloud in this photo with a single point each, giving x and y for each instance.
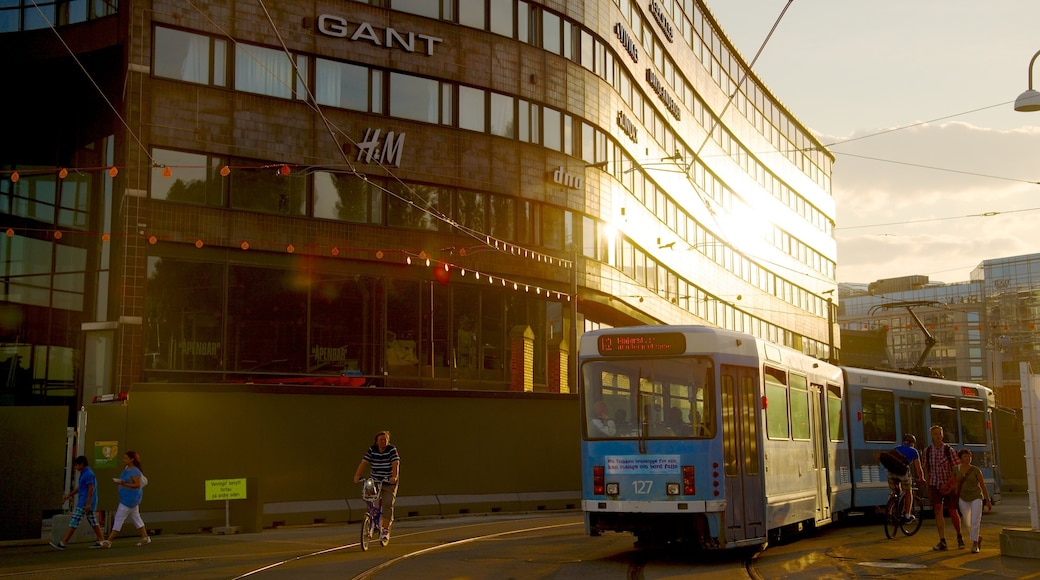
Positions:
(934, 200)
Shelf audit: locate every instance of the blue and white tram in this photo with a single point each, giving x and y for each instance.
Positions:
(704, 435)
(884, 405)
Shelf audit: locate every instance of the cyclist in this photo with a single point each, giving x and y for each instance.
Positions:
(384, 466)
(905, 482)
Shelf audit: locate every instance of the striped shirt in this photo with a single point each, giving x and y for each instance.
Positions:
(940, 462)
(381, 462)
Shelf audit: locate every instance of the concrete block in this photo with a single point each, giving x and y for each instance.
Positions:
(1020, 543)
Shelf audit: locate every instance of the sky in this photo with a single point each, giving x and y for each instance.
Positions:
(957, 187)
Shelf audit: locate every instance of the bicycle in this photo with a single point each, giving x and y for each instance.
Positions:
(370, 528)
(894, 511)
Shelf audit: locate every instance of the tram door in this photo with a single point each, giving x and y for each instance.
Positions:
(745, 496)
(821, 437)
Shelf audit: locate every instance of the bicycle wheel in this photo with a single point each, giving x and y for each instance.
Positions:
(911, 528)
(893, 517)
(366, 532)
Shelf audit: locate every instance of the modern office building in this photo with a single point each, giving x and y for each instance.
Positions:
(409, 193)
(983, 328)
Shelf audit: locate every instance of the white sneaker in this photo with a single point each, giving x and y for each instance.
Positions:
(145, 541)
(384, 534)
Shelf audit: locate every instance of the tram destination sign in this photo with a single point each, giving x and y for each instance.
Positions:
(648, 343)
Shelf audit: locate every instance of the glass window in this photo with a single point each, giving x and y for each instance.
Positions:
(74, 203)
(799, 408)
(777, 426)
(503, 115)
(835, 418)
(264, 71)
(338, 84)
(551, 32)
(502, 17)
(503, 217)
(418, 206)
(266, 308)
(944, 414)
(182, 318)
(347, 197)
(262, 187)
(182, 55)
(420, 7)
(879, 415)
(552, 122)
(471, 209)
(194, 178)
(660, 398)
(414, 98)
(471, 13)
(472, 115)
(552, 227)
(340, 323)
(973, 422)
(403, 300)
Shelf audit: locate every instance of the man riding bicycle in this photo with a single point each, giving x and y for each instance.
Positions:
(384, 464)
(905, 482)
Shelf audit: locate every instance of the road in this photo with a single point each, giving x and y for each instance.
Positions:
(542, 545)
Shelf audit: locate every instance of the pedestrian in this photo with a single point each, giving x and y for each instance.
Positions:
(86, 503)
(131, 484)
(940, 462)
(972, 493)
(384, 466)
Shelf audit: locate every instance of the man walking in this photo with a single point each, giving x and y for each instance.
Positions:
(939, 463)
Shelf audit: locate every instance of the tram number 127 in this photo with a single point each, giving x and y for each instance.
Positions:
(642, 486)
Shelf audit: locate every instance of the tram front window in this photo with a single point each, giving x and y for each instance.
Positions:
(649, 398)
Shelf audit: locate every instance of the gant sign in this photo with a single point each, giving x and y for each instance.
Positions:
(338, 27)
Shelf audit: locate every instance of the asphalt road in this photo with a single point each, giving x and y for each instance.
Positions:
(542, 545)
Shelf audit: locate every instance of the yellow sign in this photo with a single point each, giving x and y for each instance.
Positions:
(217, 489)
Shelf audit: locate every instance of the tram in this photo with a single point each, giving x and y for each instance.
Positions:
(719, 439)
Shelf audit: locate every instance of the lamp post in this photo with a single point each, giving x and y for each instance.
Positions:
(1029, 100)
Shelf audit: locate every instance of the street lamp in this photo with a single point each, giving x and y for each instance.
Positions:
(1030, 100)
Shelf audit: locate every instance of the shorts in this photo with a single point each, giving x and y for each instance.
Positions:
(899, 483)
(78, 514)
(937, 499)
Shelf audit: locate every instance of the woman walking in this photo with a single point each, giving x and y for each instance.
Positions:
(130, 494)
(972, 491)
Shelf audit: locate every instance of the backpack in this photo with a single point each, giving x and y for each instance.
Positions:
(895, 462)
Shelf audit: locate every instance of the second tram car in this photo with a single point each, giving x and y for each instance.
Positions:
(703, 435)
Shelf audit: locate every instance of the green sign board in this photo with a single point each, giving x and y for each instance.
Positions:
(217, 489)
(106, 454)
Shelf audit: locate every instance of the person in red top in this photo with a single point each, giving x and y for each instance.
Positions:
(939, 462)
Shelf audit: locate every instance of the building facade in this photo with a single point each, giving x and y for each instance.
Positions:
(983, 328)
(407, 193)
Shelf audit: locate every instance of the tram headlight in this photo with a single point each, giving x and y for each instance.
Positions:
(612, 488)
(673, 489)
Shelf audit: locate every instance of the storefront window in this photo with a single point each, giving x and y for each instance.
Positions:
(343, 318)
(183, 316)
(267, 316)
(402, 327)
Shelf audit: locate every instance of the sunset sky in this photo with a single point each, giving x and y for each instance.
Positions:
(910, 200)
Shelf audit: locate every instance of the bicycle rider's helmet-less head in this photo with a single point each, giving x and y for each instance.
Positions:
(369, 492)
(909, 439)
